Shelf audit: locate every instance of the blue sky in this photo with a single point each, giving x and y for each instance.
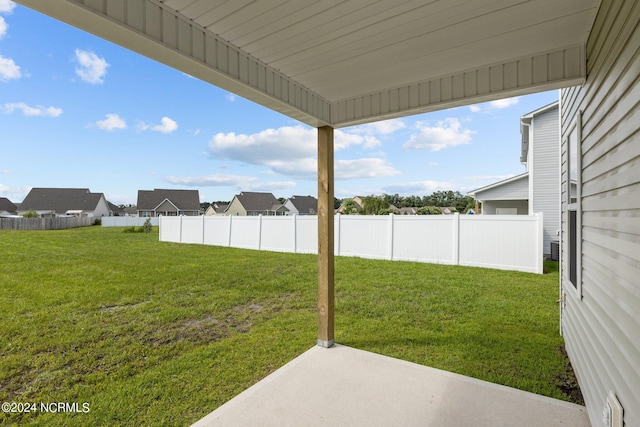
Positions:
(78, 111)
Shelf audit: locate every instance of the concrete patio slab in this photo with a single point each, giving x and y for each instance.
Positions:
(342, 386)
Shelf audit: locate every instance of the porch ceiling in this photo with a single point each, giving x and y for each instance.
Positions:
(338, 63)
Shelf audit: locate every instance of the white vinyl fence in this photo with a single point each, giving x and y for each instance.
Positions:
(495, 241)
(127, 221)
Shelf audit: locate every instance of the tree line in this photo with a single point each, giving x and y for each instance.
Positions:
(426, 205)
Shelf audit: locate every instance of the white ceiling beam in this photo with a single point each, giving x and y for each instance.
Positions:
(526, 75)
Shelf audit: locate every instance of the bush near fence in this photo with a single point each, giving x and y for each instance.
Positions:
(57, 223)
(508, 242)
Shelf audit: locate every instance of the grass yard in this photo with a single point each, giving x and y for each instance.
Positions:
(153, 333)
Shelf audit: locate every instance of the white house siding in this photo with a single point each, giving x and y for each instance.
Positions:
(602, 330)
(545, 176)
(515, 190)
(489, 207)
(102, 209)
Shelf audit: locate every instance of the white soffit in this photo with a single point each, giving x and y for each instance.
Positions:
(339, 63)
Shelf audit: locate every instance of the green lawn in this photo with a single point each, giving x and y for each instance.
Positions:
(154, 333)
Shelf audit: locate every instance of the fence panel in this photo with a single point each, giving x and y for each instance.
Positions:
(424, 238)
(363, 236)
(192, 229)
(216, 230)
(56, 223)
(503, 242)
(245, 232)
(127, 221)
(170, 229)
(307, 234)
(278, 234)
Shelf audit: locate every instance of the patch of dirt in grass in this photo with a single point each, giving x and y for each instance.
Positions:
(567, 382)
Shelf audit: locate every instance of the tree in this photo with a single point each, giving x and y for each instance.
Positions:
(465, 203)
(204, 206)
(429, 210)
(371, 205)
(349, 207)
(30, 214)
(147, 226)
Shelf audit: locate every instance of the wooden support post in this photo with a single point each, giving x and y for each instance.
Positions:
(325, 237)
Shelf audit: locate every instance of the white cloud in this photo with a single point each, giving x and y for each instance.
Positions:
(292, 151)
(5, 171)
(15, 194)
(504, 103)
(166, 125)
(384, 127)
(112, 122)
(8, 69)
(91, 68)
(3, 27)
(363, 168)
(240, 182)
(446, 133)
(230, 97)
(31, 111)
(498, 104)
(419, 187)
(7, 6)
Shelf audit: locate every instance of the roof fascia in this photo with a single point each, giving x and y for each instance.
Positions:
(474, 193)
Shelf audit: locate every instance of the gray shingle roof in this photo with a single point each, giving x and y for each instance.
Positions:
(305, 204)
(61, 200)
(253, 201)
(6, 205)
(184, 200)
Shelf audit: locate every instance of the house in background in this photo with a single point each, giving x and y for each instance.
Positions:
(116, 210)
(7, 208)
(302, 205)
(538, 188)
(168, 203)
(54, 202)
(216, 209)
(250, 203)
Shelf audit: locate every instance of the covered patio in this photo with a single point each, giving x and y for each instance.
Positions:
(332, 64)
(350, 387)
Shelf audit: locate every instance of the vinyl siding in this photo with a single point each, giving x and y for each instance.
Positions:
(545, 176)
(602, 330)
(514, 190)
(489, 207)
(236, 208)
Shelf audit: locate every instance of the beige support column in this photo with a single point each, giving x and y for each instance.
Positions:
(325, 237)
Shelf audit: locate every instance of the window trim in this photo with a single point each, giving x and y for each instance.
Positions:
(574, 206)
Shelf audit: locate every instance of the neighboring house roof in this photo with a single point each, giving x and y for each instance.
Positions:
(115, 209)
(216, 209)
(408, 211)
(183, 200)
(131, 210)
(61, 200)
(304, 204)
(7, 206)
(477, 196)
(254, 201)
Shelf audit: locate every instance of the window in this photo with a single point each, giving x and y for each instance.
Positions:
(573, 244)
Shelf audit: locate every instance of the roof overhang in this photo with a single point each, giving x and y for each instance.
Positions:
(477, 194)
(344, 63)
